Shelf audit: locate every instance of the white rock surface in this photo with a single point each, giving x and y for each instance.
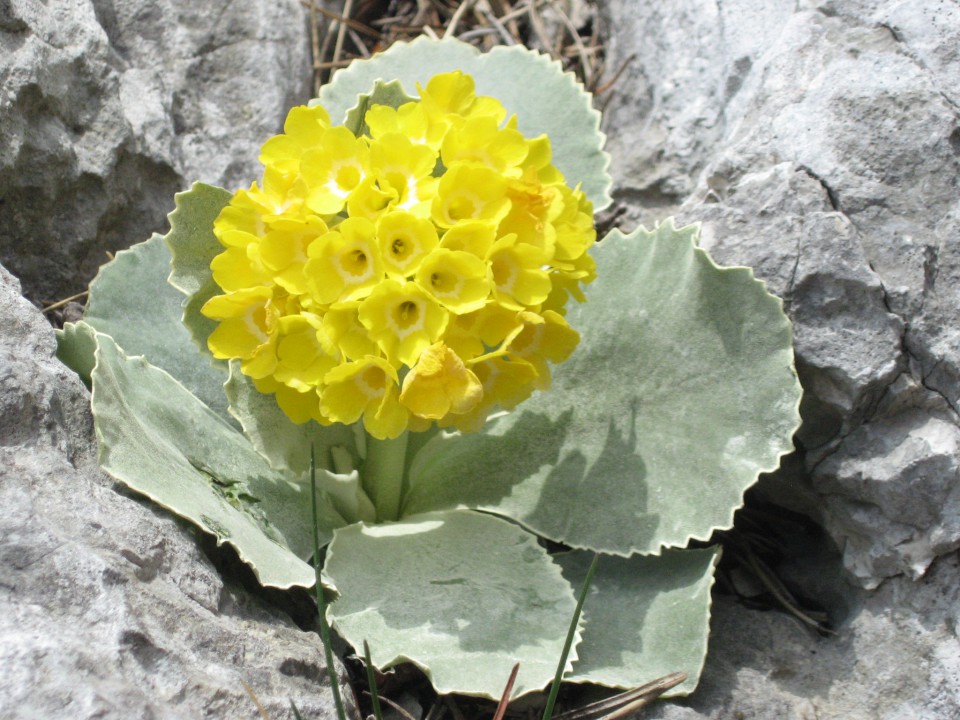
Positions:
(108, 607)
(819, 142)
(109, 107)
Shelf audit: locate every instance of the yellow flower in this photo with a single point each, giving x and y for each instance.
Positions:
(470, 192)
(518, 275)
(334, 170)
(409, 120)
(437, 254)
(403, 169)
(403, 319)
(480, 140)
(366, 388)
(451, 97)
(342, 325)
(440, 384)
(472, 236)
(300, 407)
(302, 131)
(542, 338)
(505, 383)
(344, 264)
(283, 251)
(305, 353)
(249, 323)
(404, 242)
(458, 280)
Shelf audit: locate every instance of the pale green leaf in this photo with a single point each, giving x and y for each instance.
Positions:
(461, 594)
(132, 302)
(76, 345)
(284, 443)
(383, 93)
(681, 393)
(530, 85)
(162, 442)
(193, 246)
(645, 617)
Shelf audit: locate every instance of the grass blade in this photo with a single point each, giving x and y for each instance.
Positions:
(296, 711)
(321, 602)
(372, 682)
(555, 687)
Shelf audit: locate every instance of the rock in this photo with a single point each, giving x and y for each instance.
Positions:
(108, 607)
(893, 491)
(819, 143)
(109, 107)
(897, 658)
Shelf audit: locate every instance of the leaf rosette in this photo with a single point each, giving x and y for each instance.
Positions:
(636, 419)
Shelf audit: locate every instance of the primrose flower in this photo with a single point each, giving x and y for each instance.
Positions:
(412, 275)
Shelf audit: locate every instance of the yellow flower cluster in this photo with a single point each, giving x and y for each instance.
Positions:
(415, 274)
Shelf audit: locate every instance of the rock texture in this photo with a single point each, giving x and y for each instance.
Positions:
(108, 608)
(819, 142)
(109, 107)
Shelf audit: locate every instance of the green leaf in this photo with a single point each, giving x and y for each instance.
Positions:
(383, 93)
(681, 393)
(76, 345)
(461, 594)
(193, 246)
(286, 446)
(284, 443)
(530, 85)
(162, 442)
(645, 617)
(131, 301)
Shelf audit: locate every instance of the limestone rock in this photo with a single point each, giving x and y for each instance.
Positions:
(893, 494)
(108, 607)
(109, 107)
(897, 658)
(819, 143)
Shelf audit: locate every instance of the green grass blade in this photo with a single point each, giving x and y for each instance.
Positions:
(574, 622)
(321, 603)
(372, 682)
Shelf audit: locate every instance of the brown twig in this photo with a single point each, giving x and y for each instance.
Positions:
(577, 42)
(616, 76)
(505, 697)
(60, 303)
(396, 706)
(342, 30)
(626, 702)
(457, 16)
(256, 701)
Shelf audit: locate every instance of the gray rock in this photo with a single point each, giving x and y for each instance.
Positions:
(109, 107)
(896, 658)
(893, 490)
(819, 143)
(108, 607)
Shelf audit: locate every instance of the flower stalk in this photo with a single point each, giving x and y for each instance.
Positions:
(383, 474)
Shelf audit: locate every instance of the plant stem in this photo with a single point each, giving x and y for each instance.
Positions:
(321, 602)
(383, 475)
(372, 682)
(561, 666)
